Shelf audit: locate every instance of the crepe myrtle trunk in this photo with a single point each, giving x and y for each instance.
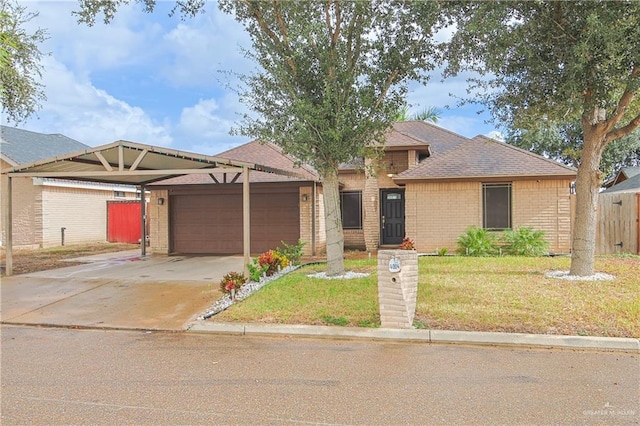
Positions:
(333, 223)
(588, 181)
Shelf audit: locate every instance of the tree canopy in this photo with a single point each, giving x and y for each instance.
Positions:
(332, 76)
(20, 67)
(563, 143)
(560, 61)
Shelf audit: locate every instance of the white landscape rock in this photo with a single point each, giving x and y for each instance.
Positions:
(345, 276)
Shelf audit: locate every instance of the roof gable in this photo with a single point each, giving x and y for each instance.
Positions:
(482, 157)
(630, 185)
(23, 146)
(438, 139)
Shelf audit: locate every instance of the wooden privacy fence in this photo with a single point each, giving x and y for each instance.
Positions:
(618, 223)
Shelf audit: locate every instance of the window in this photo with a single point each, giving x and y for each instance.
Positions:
(496, 206)
(351, 207)
(118, 194)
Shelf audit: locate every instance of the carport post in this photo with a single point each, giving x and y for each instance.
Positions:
(246, 220)
(8, 230)
(143, 213)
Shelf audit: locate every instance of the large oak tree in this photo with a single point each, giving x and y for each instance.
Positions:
(563, 62)
(332, 75)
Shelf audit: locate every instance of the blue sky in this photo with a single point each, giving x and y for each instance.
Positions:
(161, 80)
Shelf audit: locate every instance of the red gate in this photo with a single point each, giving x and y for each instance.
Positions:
(124, 222)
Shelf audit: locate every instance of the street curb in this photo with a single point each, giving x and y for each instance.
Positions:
(424, 336)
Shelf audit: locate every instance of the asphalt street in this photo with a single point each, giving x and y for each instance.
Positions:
(69, 376)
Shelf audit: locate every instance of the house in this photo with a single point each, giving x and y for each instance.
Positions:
(622, 175)
(619, 218)
(51, 212)
(430, 185)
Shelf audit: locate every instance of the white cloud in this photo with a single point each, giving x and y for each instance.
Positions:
(127, 40)
(77, 109)
(202, 48)
(205, 126)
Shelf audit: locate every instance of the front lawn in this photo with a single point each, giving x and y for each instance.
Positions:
(508, 294)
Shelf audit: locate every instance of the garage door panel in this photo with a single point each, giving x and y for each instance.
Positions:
(212, 223)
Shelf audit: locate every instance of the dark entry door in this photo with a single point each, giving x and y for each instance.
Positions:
(392, 220)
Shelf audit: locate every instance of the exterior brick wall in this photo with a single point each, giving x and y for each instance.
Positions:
(354, 239)
(158, 217)
(26, 212)
(306, 225)
(83, 212)
(40, 208)
(545, 205)
(438, 213)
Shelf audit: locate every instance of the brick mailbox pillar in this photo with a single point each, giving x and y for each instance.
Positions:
(397, 287)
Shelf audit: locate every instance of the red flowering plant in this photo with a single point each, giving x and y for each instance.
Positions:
(407, 244)
(231, 281)
(271, 260)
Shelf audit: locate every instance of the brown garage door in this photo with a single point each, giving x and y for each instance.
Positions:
(211, 223)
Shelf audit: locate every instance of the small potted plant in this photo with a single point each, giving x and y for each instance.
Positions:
(231, 282)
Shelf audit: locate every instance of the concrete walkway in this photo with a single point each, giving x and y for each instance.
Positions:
(126, 291)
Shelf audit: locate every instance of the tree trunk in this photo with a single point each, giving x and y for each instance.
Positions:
(587, 189)
(370, 205)
(333, 218)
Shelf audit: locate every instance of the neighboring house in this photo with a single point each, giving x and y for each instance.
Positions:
(624, 174)
(619, 218)
(430, 185)
(43, 209)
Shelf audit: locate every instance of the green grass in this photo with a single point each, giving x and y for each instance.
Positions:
(509, 294)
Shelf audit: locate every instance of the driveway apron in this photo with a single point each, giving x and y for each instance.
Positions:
(121, 290)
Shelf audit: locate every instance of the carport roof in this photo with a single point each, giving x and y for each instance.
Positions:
(132, 163)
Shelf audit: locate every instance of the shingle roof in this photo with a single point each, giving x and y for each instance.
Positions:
(398, 138)
(19, 146)
(482, 157)
(439, 140)
(630, 185)
(253, 152)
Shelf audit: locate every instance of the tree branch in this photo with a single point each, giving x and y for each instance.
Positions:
(625, 100)
(281, 45)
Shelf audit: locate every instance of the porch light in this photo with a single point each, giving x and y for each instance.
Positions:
(160, 201)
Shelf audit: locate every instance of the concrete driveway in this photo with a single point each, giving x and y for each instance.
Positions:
(119, 290)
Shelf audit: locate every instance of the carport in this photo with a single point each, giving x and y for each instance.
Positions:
(124, 162)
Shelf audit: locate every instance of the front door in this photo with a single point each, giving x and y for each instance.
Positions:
(392, 219)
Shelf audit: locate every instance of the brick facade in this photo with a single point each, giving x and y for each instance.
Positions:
(438, 213)
(158, 215)
(42, 207)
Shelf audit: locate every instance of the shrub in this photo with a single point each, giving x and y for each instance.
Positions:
(292, 252)
(232, 280)
(407, 244)
(256, 270)
(442, 252)
(271, 260)
(525, 241)
(477, 242)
